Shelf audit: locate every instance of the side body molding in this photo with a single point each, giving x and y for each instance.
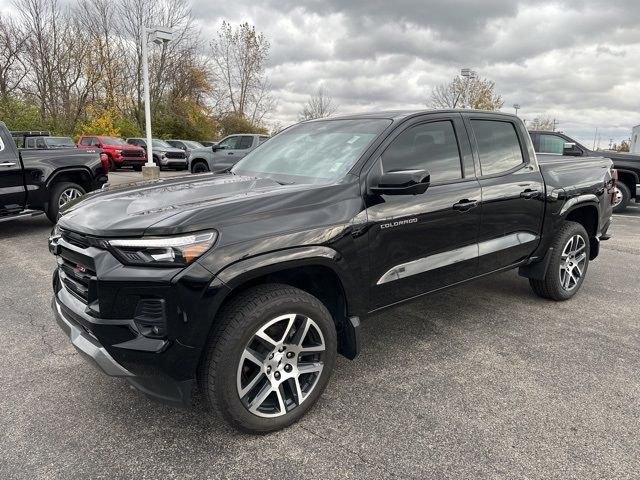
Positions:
(444, 259)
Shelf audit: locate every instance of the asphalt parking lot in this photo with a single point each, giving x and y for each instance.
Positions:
(482, 381)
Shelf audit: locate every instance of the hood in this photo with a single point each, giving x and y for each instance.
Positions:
(168, 149)
(182, 204)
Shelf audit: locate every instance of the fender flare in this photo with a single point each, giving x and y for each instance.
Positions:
(587, 199)
(348, 327)
(60, 171)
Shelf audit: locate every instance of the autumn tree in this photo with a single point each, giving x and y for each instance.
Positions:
(543, 122)
(466, 92)
(319, 105)
(238, 57)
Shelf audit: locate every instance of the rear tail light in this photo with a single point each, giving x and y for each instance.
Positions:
(105, 162)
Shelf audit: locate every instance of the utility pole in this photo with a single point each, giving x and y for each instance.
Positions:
(516, 107)
(595, 137)
(554, 125)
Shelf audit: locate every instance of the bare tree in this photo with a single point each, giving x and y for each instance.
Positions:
(543, 122)
(239, 57)
(12, 67)
(320, 105)
(466, 92)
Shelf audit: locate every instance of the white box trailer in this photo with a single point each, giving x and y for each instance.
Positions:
(635, 140)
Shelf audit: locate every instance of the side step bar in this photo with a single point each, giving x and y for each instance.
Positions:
(22, 214)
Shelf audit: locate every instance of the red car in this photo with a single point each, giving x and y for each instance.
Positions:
(118, 152)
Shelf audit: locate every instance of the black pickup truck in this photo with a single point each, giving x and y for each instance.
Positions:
(41, 181)
(250, 282)
(627, 165)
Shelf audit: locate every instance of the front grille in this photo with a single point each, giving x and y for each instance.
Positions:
(79, 279)
(75, 239)
(132, 153)
(175, 155)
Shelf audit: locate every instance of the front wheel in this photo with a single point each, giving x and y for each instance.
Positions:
(270, 358)
(568, 266)
(199, 167)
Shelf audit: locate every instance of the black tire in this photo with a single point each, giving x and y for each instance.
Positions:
(54, 198)
(199, 167)
(156, 160)
(551, 287)
(112, 165)
(137, 168)
(626, 198)
(238, 323)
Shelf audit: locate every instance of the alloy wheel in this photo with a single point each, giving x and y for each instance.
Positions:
(281, 365)
(572, 262)
(69, 194)
(617, 199)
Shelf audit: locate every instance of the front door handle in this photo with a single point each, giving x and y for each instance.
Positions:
(229, 153)
(7, 164)
(529, 193)
(465, 204)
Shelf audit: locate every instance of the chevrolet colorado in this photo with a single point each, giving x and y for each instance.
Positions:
(41, 181)
(555, 144)
(250, 282)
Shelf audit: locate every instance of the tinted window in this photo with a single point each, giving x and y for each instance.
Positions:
(86, 141)
(551, 144)
(429, 146)
(244, 143)
(229, 143)
(40, 143)
(498, 146)
(31, 143)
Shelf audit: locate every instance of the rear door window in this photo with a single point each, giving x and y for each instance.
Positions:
(86, 141)
(244, 143)
(498, 146)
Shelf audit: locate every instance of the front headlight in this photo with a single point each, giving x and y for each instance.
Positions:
(169, 251)
(119, 152)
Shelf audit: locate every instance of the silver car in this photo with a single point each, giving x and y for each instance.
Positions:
(225, 154)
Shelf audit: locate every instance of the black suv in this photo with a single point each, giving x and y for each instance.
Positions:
(250, 282)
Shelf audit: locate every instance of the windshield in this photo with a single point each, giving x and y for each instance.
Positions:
(157, 143)
(114, 141)
(59, 142)
(313, 152)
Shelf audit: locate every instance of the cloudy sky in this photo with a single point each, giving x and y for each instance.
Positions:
(577, 61)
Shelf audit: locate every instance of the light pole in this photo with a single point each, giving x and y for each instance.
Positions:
(516, 106)
(467, 74)
(159, 36)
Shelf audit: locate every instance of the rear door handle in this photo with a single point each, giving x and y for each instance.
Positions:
(229, 153)
(529, 193)
(464, 205)
(7, 164)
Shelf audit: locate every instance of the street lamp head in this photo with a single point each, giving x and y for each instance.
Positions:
(467, 73)
(516, 106)
(160, 35)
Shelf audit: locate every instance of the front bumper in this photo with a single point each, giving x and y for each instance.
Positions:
(88, 346)
(96, 301)
(174, 162)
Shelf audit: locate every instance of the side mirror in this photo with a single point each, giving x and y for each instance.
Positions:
(569, 148)
(403, 182)
(215, 148)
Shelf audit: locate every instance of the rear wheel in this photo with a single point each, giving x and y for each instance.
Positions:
(622, 198)
(61, 194)
(270, 358)
(112, 165)
(568, 266)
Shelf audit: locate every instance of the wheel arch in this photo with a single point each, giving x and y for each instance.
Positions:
(630, 179)
(80, 176)
(586, 214)
(315, 270)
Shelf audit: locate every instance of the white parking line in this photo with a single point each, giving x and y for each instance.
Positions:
(627, 216)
